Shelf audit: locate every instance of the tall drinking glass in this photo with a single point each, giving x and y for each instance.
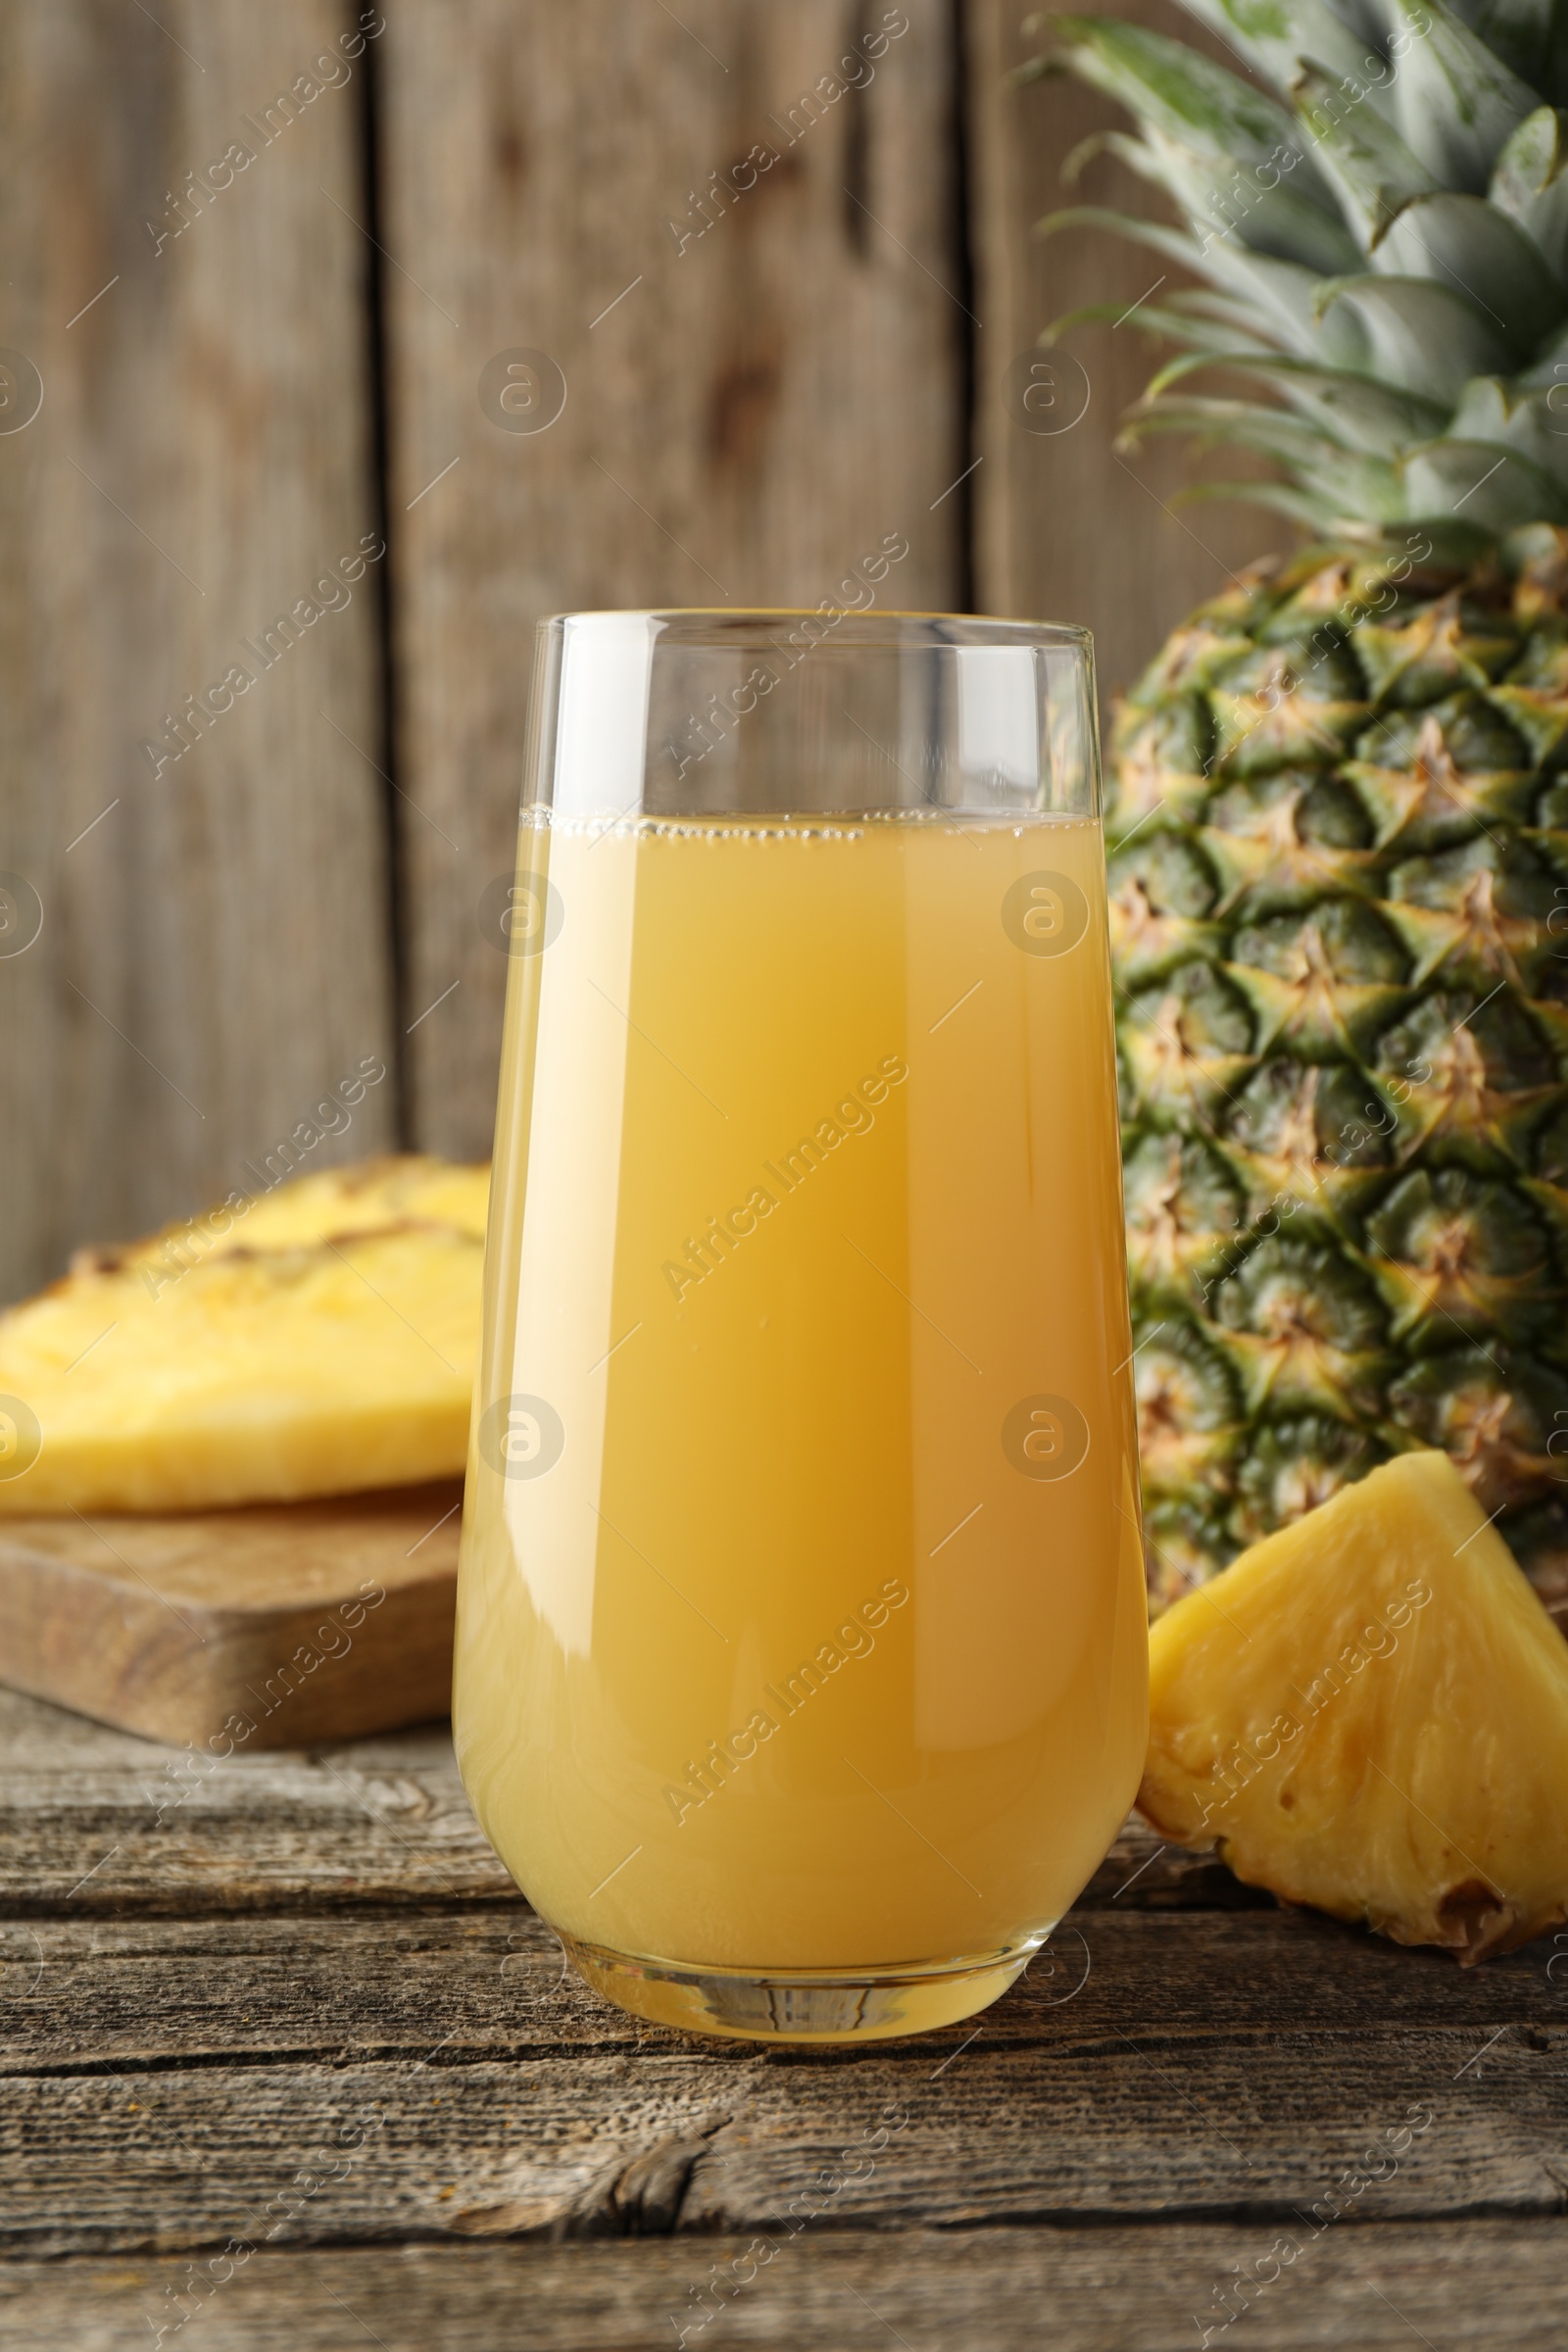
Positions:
(802, 1670)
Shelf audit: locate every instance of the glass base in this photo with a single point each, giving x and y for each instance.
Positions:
(790, 2004)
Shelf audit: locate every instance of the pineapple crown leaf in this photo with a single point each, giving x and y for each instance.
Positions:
(1380, 245)
(1280, 497)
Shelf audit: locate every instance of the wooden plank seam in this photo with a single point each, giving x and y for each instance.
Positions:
(285, 110)
(852, 71)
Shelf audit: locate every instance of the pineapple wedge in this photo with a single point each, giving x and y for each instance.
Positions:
(320, 1339)
(1370, 1712)
(369, 1195)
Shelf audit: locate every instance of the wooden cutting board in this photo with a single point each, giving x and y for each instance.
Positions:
(274, 1626)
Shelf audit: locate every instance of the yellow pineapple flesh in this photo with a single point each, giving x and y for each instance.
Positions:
(368, 1196)
(1368, 1712)
(321, 1339)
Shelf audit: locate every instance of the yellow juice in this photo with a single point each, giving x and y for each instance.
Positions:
(801, 1619)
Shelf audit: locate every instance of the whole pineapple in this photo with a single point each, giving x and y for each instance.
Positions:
(1338, 823)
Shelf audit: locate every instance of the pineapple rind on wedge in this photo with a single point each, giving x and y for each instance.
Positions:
(1368, 1712)
(322, 1343)
(1338, 827)
(365, 1195)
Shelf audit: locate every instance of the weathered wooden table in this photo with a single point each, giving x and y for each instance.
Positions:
(289, 2063)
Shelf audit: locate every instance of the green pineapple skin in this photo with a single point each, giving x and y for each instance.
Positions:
(1339, 820)
(1338, 861)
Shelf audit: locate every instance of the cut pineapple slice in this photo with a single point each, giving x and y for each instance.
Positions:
(323, 1342)
(370, 1196)
(1370, 1712)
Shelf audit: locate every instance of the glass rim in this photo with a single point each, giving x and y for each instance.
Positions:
(1000, 628)
(674, 710)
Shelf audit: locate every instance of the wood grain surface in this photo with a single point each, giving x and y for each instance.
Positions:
(1489, 2285)
(749, 406)
(96, 1822)
(242, 1629)
(1054, 2117)
(264, 1988)
(1068, 527)
(302, 2068)
(214, 954)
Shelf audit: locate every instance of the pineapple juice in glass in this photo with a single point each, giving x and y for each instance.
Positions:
(802, 1672)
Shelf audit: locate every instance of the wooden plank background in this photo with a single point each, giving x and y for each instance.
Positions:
(215, 947)
(252, 368)
(747, 411)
